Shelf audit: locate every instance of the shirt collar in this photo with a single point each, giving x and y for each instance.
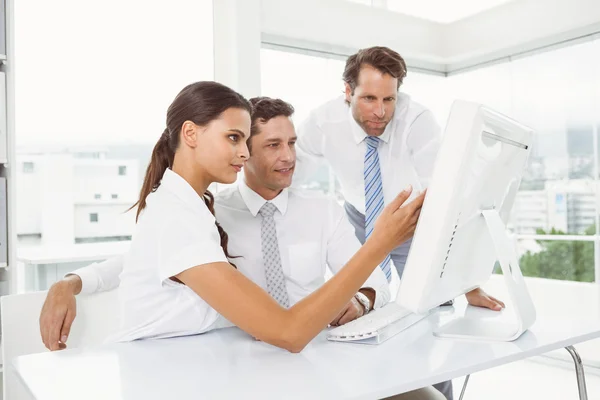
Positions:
(359, 134)
(254, 201)
(174, 183)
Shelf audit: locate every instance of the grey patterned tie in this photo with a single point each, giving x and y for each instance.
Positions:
(271, 257)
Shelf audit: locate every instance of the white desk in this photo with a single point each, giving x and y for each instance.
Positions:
(229, 364)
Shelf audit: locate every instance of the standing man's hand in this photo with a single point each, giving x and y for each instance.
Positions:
(350, 312)
(477, 297)
(58, 312)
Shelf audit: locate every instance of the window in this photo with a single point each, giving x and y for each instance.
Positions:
(114, 196)
(325, 79)
(28, 167)
(553, 93)
(94, 217)
(97, 196)
(113, 121)
(326, 83)
(430, 91)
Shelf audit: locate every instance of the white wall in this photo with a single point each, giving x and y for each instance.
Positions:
(236, 34)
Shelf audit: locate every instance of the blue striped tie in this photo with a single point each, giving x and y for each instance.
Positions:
(374, 195)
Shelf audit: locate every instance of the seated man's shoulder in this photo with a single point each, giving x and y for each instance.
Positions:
(307, 194)
(226, 194)
(313, 198)
(229, 198)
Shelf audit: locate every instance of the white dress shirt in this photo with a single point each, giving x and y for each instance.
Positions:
(313, 233)
(175, 232)
(100, 276)
(408, 148)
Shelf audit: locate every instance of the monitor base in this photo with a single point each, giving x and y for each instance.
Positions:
(524, 309)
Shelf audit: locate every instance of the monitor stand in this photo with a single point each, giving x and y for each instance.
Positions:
(493, 329)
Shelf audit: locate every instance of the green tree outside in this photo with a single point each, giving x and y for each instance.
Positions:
(573, 261)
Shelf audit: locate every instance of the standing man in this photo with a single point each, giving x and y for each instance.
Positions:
(377, 141)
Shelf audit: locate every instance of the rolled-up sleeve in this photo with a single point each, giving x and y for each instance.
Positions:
(101, 276)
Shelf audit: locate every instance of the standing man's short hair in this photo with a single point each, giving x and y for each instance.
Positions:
(384, 59)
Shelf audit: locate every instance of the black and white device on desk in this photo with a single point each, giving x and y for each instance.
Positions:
(461, 233)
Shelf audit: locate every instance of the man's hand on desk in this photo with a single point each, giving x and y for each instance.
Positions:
(477, 297)
(350, 312)
(58, 312)
(355, 309)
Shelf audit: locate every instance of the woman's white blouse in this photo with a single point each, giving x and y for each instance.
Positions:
(175, 232)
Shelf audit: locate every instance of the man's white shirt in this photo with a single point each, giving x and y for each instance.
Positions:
(312, 230)
(407, 152)
(313, 233)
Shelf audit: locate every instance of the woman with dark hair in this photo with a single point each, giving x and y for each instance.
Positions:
(177, 279)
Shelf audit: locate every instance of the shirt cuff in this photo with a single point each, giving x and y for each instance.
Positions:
(89, 279)
(380, 299)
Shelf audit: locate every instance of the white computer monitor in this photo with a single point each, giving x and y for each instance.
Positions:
(461, 232)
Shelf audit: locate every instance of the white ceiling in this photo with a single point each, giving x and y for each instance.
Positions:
(488, 31)
(442, 11)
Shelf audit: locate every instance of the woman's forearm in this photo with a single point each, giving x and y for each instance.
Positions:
(313, 313)
(249, 307)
